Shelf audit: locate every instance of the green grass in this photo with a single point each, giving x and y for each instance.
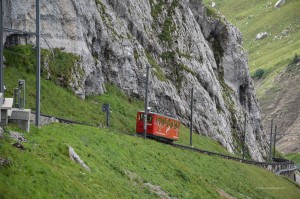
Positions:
(270, 54)
(58, 66)
(295, 157)
(58, 102)
(200, 141)
(44, 169)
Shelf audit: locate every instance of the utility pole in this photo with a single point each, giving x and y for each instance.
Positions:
(275, 132)
(191, 122)
(38, 64)
(38, 55)
(1, 47)
(146, 102)
(244, 140)
(270, 154)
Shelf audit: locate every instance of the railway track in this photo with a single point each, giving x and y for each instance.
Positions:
(277, 161)
(281, 162)
(65, 121)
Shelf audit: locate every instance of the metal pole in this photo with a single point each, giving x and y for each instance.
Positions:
(146, 102)
(108, 115)
(38, 65)
(191, 122)
(270, 154)
(1, 47)
(191, 119)
(275, 132)
(244, 137)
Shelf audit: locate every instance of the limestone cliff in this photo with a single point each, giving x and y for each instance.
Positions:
(185, 45)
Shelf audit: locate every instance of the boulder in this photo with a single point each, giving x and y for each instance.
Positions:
(4, 162)
(19, 146)
(1, 133)
(17, 136)
(279, 3)
(76, 158)
(261, 35)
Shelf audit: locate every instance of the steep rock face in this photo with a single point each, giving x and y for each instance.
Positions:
(116, 40)
(282, 103)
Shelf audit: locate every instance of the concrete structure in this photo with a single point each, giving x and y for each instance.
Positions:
(6, 111)
(297, 176)
(1, 102)
(19, 116)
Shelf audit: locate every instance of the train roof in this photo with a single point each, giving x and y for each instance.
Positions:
(160, 115)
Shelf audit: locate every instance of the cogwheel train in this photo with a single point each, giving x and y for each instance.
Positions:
(158, 126)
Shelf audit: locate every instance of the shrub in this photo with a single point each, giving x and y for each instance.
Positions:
(58, 68)
(258, 73)
(296, 59)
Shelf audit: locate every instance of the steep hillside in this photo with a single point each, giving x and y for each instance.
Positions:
(113, 42)
(60, 102)
(272, 60)
(123, 166)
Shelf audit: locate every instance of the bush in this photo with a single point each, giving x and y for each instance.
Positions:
(296, 59)
(259, 73)
(58, 68)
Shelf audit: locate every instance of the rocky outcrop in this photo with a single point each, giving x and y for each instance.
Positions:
(282, 104)
(186, 45)
(1, 134)
(261, 35)
(73, 156)
(279, 3)
(4, 162)
(17, 136)
(155, 189)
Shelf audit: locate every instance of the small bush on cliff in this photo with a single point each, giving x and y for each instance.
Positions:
(158, 71)
(21, 57)
(58, 67)
(168, 28)
(296, 59)
(258, 73)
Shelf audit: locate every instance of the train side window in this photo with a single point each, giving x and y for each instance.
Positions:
(149, 119)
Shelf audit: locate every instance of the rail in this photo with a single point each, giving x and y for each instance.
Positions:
(282, 162)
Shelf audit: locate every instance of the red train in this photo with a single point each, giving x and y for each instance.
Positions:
(158, 126)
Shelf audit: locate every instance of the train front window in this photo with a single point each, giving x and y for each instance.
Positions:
(149, 118)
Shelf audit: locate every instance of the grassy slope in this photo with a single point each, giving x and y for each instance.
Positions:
(121, 164)
(254, 16)
(60, 103)
(45, 171)
(295, 157)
